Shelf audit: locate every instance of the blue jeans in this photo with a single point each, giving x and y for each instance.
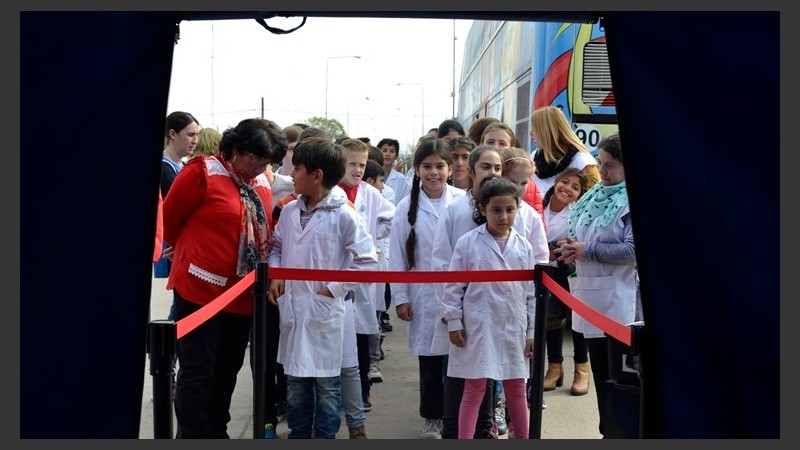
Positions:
(498, 391)
(313, 402)
(352, 403)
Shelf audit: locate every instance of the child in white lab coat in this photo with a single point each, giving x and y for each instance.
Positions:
(410, 248)
(316, 231)
(491, 324)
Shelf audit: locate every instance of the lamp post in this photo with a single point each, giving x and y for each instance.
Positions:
(348, 109)
(327, 62)
(422, 98)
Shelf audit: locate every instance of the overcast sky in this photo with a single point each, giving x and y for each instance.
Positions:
(223, 69)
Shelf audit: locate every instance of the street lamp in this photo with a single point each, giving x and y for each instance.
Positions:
(327, 61)
(422, 98)
(348, 109)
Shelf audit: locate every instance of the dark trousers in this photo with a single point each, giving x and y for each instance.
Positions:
(555, 337)
(431, 387)
(387, 297)
(210, 358)
(280, 382)
(598, 360)
(453, 391)
(362, 345)
(555, 346)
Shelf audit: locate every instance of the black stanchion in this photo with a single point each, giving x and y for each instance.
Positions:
(637, 347)
(537, 362)
(259, 346)
(162, 340)
(624, 399)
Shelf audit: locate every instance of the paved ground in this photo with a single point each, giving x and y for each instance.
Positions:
(395, 411)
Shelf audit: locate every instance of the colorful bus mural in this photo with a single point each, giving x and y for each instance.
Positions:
(513, 68)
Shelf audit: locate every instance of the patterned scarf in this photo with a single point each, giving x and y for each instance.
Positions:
(546, 169)
(254, 234)
(600, 201)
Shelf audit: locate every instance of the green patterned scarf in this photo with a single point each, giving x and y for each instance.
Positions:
(600, 201)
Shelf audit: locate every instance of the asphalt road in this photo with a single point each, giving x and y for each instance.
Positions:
(395, 400)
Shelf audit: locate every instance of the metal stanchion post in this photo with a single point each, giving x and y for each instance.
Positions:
(537, 362)
(259, 346)
(162, 340)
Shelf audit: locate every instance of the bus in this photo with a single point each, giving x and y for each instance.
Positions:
(510, 69)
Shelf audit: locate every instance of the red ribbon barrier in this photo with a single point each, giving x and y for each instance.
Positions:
(615, 329)
(618, 331)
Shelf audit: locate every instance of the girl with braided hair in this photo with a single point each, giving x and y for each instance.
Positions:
(411, 248)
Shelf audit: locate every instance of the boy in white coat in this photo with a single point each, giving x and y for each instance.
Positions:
(316, 231)
(377, 213)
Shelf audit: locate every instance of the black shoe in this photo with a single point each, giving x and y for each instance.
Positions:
(386, 326)
(367, 404)
(382, 357)
(485, 434)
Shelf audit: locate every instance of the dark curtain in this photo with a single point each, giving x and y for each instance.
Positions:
(698, 101)
(93, 99)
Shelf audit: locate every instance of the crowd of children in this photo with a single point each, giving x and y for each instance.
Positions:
(464, 205)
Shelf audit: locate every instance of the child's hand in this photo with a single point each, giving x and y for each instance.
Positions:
(458, 338)
(404, 312)
(275, 290)
(529, 348)
(168, 253)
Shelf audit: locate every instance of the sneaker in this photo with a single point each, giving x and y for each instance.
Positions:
(500, 419)
(367, 404)
(358, 432)
(431, 430)
(269, 431)
(544, 404)
(386, 326)
(375, 374)
(382, 355)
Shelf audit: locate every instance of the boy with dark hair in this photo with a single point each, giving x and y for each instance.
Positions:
(317, 231)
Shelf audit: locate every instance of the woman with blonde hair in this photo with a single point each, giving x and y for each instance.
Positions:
(207, 143)
(500, 135)
(557, 148)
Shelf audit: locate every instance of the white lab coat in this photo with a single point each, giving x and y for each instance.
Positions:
(608, 288)
(383, 257)
(497, 317)
(457, 221)
(421, 296)
(557, 226)
(377, 212)
(312, 325)
(399, 183)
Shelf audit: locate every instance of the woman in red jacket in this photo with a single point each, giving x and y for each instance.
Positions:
(217, 216)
